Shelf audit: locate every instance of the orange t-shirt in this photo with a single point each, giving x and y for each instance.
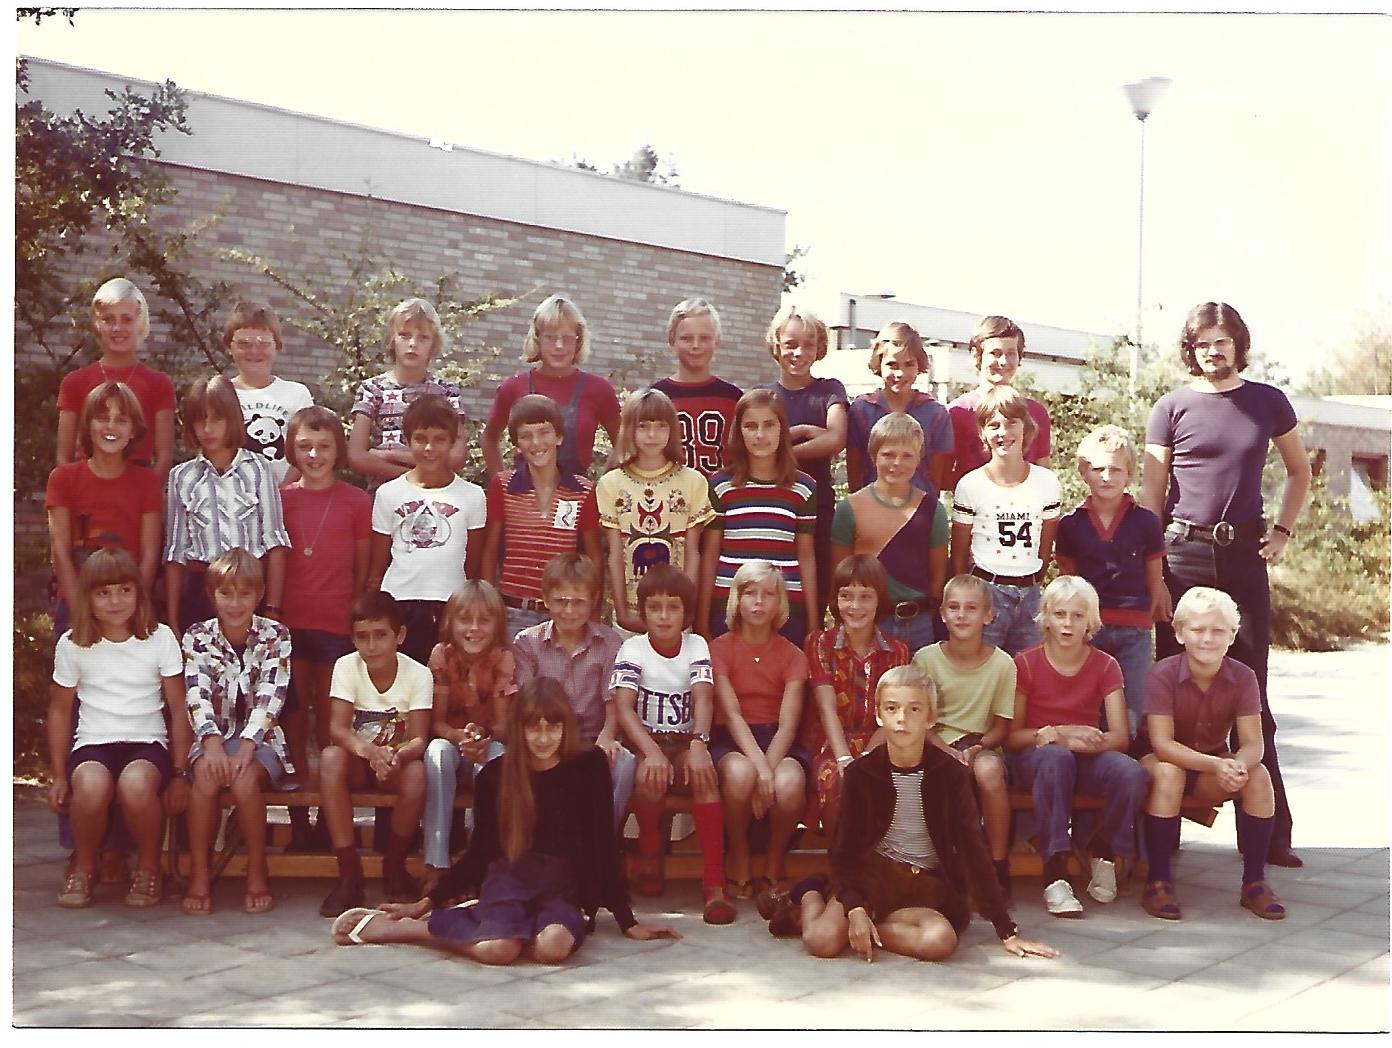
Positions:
(758, 674)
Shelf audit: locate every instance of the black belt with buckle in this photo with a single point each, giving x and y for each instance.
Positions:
(524, 603)
(909, 609)
(1223, 533)
(1005, 580)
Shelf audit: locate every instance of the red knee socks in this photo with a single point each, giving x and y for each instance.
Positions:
(649, 828)
(710, 832)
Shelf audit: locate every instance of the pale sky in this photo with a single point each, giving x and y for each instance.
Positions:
(979, 162)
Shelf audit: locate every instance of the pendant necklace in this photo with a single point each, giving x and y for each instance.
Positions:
(889, 503)
(309, 550)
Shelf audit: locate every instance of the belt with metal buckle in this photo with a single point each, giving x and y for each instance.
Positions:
(1224, 533)
(524, 603)
(908, 609)
(1005, 580)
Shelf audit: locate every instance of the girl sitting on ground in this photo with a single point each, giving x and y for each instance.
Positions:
(544, 853)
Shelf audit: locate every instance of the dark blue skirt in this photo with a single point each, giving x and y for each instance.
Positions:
(518, 900)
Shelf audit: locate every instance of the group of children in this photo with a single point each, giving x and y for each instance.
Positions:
(438, 633)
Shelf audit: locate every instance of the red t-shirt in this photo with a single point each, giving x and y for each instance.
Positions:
(758, 675)
(319, 584)
(599, 405)
(1052, 698)
(104, 513)
(154, 389)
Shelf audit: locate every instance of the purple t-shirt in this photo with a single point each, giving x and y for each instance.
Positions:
(1218, 444)
(809, 407)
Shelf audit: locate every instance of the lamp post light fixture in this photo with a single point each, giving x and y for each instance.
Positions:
(1143, 96)
(851, 310)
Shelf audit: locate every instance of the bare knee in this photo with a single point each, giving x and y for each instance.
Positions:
(496, 951)
(139, 783)
(92, 786)
(553, 944)
(823, 939)
(936, 941)
(990, 773)
(790, 785)
(333, 764)
(736, 777)
(1166, 786)
(1258, 794)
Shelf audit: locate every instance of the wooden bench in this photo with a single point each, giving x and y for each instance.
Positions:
(682, 861)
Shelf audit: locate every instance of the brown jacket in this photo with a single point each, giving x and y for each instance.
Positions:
(949, 809)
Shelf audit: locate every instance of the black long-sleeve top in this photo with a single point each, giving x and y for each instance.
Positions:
(949, 812)
(574, 821)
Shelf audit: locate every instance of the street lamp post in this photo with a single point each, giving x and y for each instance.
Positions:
(1143, 96)
(851, 311)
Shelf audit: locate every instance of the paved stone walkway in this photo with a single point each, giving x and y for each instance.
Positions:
(1324, 968)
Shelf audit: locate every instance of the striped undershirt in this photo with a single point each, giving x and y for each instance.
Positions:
(907, 839)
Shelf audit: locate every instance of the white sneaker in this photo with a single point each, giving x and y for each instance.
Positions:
(1103, 886)
(1060, 900)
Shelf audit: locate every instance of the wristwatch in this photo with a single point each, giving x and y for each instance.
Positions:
(1282, 529)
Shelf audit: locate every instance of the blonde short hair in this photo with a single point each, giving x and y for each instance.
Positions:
(236, 569)
(685, 310)
(415, 310)
(118, 290)
(1107, 440)
(899, 335)
(1205, 598)
(810, 320)
(553, 312)
(969, 582)
(1066, 587)
(480, 597)
(910, 676)
(750, 573)
(895, 428)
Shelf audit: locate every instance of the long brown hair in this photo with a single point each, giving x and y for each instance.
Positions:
(541, 698)
(737, 455)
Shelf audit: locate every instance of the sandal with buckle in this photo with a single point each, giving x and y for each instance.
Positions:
(77, 890)
(718, 909)
(349, 925)
(1258, 897)
(146, 889)
(1159, 900)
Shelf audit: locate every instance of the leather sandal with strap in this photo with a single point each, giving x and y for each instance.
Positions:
(1159, 900)
(1258, 897)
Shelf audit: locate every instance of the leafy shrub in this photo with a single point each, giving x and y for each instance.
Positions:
(33, 670)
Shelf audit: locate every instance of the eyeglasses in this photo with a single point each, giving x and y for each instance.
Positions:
(557, 339)
(1224, 344)
(567, 602)
(248, 342)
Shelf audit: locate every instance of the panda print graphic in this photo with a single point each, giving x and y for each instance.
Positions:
(266, 411)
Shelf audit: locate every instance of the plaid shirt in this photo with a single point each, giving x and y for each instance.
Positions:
(237, 696)
(584, 672)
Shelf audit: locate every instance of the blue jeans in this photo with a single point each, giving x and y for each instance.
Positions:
(1013, 630)
(1054, 773)
(1130, 646)
(445, 769)
(1239, 571)
(916, 632)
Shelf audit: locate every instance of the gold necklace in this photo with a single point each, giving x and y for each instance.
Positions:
(333, 494)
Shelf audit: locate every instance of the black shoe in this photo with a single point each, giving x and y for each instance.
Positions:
(400, 886)
(1283, 856)
(786, 920)
(346, 895)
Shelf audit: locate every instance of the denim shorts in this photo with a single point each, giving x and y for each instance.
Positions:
(265, 756)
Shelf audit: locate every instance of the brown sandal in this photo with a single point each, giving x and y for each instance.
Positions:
(1261, 900)
(146, 889)
(1159, 900)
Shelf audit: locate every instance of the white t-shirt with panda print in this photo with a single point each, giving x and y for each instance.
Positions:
(266, 413)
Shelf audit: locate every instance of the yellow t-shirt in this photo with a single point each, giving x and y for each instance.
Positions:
(968, 700)
(652, 512)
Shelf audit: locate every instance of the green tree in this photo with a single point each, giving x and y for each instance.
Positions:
(1365, 367)
(792, 277)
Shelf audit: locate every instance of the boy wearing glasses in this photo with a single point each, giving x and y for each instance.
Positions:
(571, 647)
(252, 337)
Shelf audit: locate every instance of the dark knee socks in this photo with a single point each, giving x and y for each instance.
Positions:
(1254, 835)
(1161, 836)
(349, 863)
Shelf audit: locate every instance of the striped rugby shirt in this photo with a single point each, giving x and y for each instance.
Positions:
(761, 521)
(530, 539)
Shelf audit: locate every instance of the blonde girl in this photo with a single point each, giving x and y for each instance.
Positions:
(760, 678)
(766, 509)
(475, 678)
(544, 854)
(376, 445)
(653, 506)
(223, 499)
(125, 669)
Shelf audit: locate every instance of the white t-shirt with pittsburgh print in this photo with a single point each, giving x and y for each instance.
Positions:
(1006, 521)
(663, 685)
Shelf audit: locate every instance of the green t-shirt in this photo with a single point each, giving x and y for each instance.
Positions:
(968, 700)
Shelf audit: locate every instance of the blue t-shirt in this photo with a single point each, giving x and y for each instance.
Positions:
(1218, 444)
(868, 409)
(1114, 560)
(809, 407)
